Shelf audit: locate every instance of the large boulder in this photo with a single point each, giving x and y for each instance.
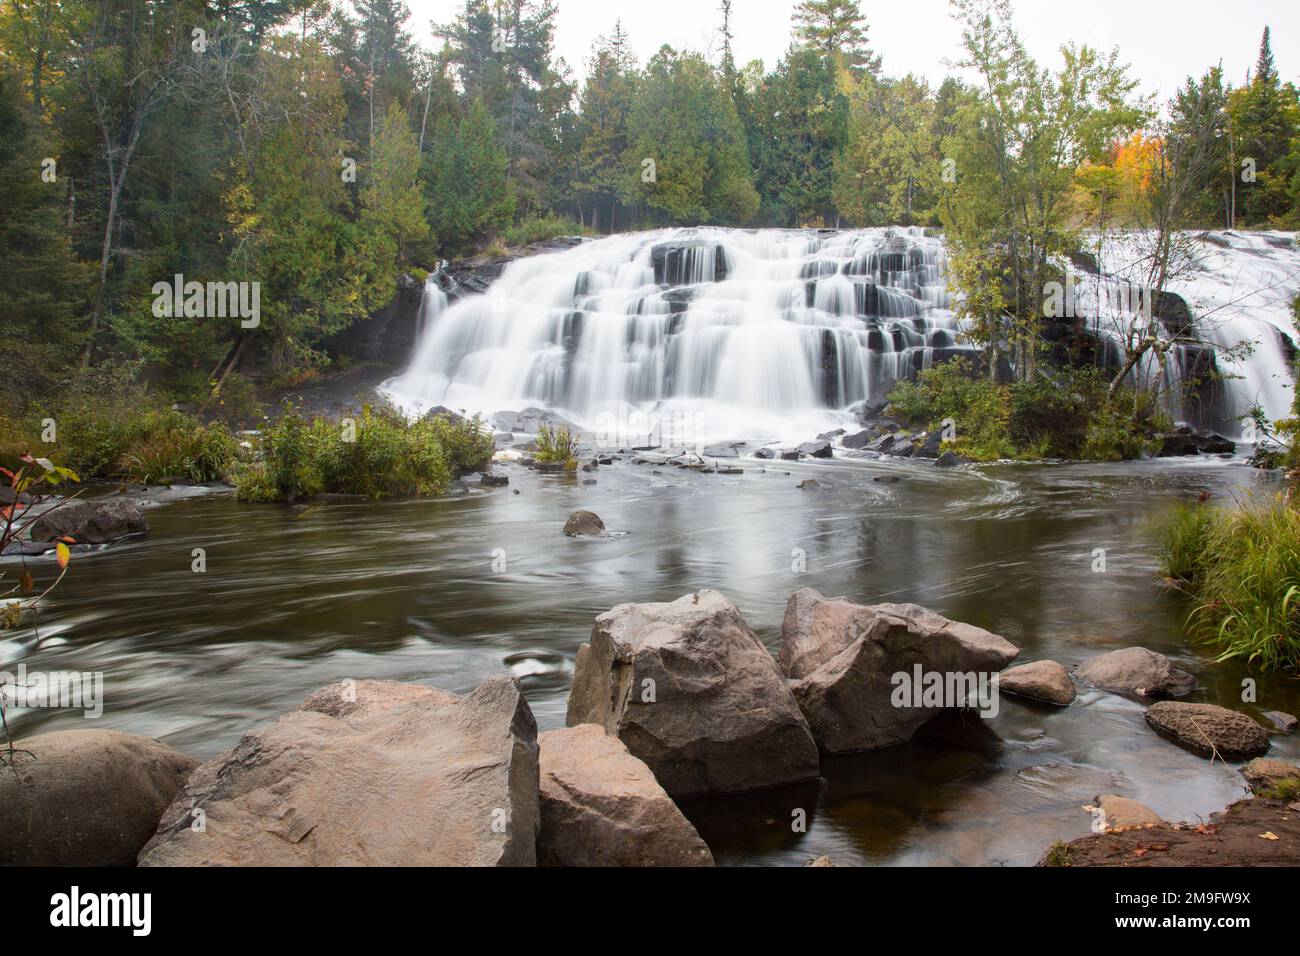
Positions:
(601, 806)
(91, 522)
(1136, 670)
(368, 773)
(1121, 813)
(85, 797)
(841, 660)
(1045, 681)
(692, 691)
(1209, 729)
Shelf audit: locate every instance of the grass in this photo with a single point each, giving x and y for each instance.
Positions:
(1241, 565)
(378, 455)
(1058, 854)
(557, 444)
(1286, 789)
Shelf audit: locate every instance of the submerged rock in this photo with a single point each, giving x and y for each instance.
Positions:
(1136, 670)
(368, 773)
(91, 522)
(692, 691)
(601, 806)
(86, 797)
(841, 660)
(1123, 813)
(1045, 681)
(583, 523)
(1209, 729)
(1281, 720)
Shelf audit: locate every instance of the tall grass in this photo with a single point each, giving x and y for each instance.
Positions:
(1242, 567)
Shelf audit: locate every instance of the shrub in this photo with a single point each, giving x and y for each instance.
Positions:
(195, 452)
(1242, 567)
(979, 408)
(557, 444)
(541, 228)
(378, 455)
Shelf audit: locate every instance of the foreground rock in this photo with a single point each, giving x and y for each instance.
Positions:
(1136, 670)
(841, 658)
(91, 522)
(601, 806)
(692, 691)
(583, 523)
(1121, 813)
(1283, 721)
(371, 773)
(89, 798)
(1045, 681)
(1209, 729)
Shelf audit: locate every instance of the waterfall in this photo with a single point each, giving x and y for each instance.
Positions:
(746, 334)
(776, 334)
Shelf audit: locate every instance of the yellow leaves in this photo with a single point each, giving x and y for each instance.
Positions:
(63, 554)
(1269, 835)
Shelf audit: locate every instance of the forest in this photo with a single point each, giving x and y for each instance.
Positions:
(315, 149)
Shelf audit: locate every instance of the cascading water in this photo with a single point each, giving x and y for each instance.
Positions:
(774, 334)
(734, 334)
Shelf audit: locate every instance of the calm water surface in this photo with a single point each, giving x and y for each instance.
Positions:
(295, 598)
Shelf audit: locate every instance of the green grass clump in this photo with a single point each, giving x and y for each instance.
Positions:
(557, 444)
(1057, 855)
(380, 454)
(1286, 789)
(197, 453)
(541, 228)
(1242, 567)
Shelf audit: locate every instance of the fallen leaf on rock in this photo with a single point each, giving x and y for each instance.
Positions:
(1269, 835)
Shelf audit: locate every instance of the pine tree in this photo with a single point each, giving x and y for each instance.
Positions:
(837, 28)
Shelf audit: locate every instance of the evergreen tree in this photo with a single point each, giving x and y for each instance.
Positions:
(837, 28)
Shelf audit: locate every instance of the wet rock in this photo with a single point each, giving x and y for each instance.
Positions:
(1209, 729)
(857, 441)
(881, 444)
(821, 861)
(808, 483)
(530, 420)
(930, 447)
(841, 660)
(601, 806)
(1045, 681)
(91, 522)
(1263, 773)
(901, 449)
(950, 459)
(441, 411)
(88, 798)
(816, 449)
(371, 773)
(1281, 720)
(583, 523)
(765, 453)
(724, 451)
(1122, 813)
(887, 479)
(1136, 670)
(1186, 441)
(791, 454)
(692, 691)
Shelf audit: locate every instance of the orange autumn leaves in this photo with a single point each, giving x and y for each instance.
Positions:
(1109, 192)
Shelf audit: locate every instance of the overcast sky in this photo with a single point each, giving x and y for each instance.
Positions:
(1162, 40)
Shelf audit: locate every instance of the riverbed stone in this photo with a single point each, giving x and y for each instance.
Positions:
(816, 449)
(1123, 813)
(1209, 729)
(583, 523)
(1136, 670)
(601, 806)
(841, 660)
(86, 797)
(1265, 772)
(692, 691)
(1283, 721)
(1045, 681)
(368, 773)
(99, 521)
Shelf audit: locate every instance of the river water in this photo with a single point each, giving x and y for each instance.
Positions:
(454, 590)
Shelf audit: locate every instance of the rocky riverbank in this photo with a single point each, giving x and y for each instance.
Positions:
(669, 701)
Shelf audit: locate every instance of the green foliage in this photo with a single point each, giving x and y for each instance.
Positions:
(196, 453)
(541, 228)
(468, 194)
(1066, 415)
(1242, 568)
(557, 444)
(378, 455)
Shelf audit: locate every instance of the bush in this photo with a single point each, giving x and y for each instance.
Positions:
(1067, 414)
(557, 445)
(1242, 567)
(195, 452)
(541, 228)
(378, 455)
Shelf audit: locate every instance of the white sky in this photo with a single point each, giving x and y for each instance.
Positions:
(1162, 40)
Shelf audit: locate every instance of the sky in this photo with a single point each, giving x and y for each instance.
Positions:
(1162, 40)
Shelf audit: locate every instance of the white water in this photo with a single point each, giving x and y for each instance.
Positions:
(772, 335)
(759, 335)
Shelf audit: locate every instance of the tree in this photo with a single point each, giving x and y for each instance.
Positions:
(468, 194)
(391, 197)
(837, 29)
(1265, 119)
(604, 104)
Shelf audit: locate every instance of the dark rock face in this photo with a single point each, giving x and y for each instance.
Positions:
(841, 660)
(1185, 441)
(371, 773)
(816, 449)
(692, 691)
(858, 440)
(765, 453)
(91, 522)
(601, 806)
(583, 523)
(90, 798)
(1209, 729)
(1138, 671)
(682, 263)
(389, 335)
